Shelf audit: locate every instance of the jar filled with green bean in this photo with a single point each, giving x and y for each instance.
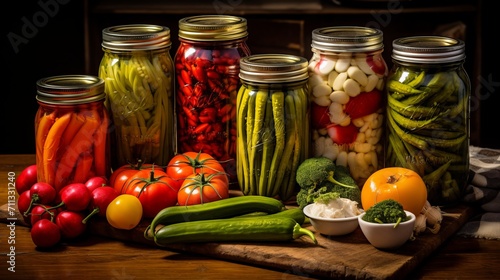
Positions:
(138, 72)
(272, 124)
(428, 94)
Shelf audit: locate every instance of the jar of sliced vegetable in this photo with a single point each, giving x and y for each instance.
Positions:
(71, 130)
(428, 95)
(207, 68)
(347, 79)
(139, 83)
(272, 122)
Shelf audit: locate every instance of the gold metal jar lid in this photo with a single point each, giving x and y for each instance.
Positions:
(136, 37)
(347, 39)
(70, 89)
(213, 28)
(273, 68)
(428, 49)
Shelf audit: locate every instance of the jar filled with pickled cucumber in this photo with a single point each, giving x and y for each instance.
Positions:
(428, 95)
(139, 83)
(347, 75)
(207, 68)
(71, 130)
(272, 122)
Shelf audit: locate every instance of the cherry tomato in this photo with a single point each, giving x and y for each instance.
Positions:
(74, 197)
(45, 233)
(124, 212)
(71, 224)
(183, 165)
(122, 174)
(201, 188)
(155, 190)
(399, 183)
(26, 179)
(24, 203)
(101, 198)
(320, 116)
(40, 212)
(96, 182)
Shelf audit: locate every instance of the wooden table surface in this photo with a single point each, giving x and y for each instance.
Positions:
(95, 257)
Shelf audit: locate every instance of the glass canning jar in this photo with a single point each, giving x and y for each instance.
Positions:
(71, 130)
(139, 81)
(207, 68)
(272, 121)
(347, 76)
(428, 94)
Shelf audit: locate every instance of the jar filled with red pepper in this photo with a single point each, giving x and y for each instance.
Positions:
(207, 69)
(71, 130)
(347, 78)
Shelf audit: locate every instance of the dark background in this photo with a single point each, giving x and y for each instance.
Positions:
(59, 43)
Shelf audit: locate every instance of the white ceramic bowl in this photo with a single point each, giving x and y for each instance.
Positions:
(385, 236)
(331, 226)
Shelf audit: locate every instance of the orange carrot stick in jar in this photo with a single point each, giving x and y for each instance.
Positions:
(45, 122)
(51, 146)
(83, 168)
(82, 142)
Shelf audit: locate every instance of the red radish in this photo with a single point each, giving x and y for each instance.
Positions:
(45, 233)
(41, 212)
(96, 182)
(74, 197)
(26, 179)
(71, 224)
(320, 117)
(41, 193)
(343, 134)
(101, 198)
(364, 104)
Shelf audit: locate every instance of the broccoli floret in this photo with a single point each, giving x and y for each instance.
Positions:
(386, 211)
(320, 176)
(326, 197)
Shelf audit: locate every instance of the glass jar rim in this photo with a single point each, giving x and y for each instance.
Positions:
(273, 68)
(347, 39)
(428, 49)
(136, 37)
(212, 28)
(70, 89)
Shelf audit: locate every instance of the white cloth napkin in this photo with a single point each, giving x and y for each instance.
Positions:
(483, 192)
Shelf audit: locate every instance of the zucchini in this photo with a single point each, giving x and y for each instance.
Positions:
(263, 229)
(224, 208)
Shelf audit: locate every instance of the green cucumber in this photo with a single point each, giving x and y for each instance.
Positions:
(259, 229)
(224, 208)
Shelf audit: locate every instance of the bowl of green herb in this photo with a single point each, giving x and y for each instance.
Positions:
(387, 225)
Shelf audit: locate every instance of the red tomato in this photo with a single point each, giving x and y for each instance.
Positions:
(183, 165)
(121, 175)
(70, 224)
(155, 190)
(320, 116)
(201, 188)
(95, 182)
(399, 183)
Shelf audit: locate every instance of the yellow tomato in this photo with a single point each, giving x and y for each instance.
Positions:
(124, 212)
(399, 183)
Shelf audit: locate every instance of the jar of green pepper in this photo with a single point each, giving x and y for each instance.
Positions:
(428, 92)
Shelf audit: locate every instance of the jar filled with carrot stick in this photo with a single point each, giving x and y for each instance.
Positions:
(138, 72)
(71, 130)
(207, 68)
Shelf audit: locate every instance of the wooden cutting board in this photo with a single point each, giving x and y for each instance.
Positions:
(349, 256)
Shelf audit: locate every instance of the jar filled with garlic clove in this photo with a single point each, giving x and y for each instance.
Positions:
(347, 76)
